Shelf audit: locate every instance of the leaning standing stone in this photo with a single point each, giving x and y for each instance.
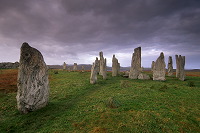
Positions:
(94, 70)
(159, 68)
(33, 83)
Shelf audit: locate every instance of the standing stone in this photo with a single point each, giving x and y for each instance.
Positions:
(159, 68)
(170, 66)
(115, 66)
(104, 70)
(152, 65)
(101, 63)
(75, 67)
(135, 64)
(64, 66)
(102, 66)
(98, 66)
(33, 83)
(82, 68)
(180, 65)
(94, 69)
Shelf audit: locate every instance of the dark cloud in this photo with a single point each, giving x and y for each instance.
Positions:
(69, 28)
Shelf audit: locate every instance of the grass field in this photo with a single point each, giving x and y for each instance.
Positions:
(77, 106)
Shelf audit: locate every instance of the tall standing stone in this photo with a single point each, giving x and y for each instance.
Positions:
(33, 83)
(94, 69)
(104, 74)
(180, 67)
(159, 68)
(75, 68)
(115, 66)
(170, 66)
(102, 66)
(135, 64)
(98, 66)
(64, 66)
(177, 66)
(101, 63)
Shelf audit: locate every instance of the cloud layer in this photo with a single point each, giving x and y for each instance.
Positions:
(75, 31)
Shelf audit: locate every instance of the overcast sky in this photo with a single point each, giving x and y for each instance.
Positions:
(77, 30)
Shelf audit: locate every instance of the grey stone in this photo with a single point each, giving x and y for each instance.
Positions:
(115, 66)
(103, 67)
(135, 69)
(180, 67)
(170, 66)
(101, 63)
(75, 68)
(159, 68)
(143, 76)
(82, 68)
(104, 70)
(33, 83)
(64, 66)
(94, 69)
(152, 66)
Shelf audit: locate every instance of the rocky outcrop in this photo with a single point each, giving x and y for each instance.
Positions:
(159, 68)
(135, 69)
(33, 83)
(170, 66)
(180, 67)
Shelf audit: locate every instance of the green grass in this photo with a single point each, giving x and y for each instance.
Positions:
(77, 106)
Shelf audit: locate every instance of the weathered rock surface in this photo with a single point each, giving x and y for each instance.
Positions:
(159, 68)
(33, 83)
(64, 66)
(75, 67)
(115, 66)
(135, 69)
(170, 66)
(94, 70)
(180, 67)
(143, 76)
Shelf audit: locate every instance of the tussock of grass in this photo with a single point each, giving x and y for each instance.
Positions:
(114, 105)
